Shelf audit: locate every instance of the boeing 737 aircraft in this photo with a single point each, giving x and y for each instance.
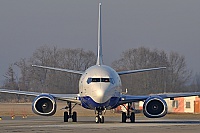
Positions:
(100, 89)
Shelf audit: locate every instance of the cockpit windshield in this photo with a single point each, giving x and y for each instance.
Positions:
(105, 79)
(108, 80)
(95, 79)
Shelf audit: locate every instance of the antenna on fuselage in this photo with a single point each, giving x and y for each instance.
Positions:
(99, 49)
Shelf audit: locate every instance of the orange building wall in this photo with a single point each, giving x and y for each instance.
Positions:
(180, 108)
(197, 105)
(197, 99)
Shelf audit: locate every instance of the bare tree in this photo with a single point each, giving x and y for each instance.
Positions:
(23, 82)
(10, 81)
(170, 80)
(178, 74)
(196, 82)
(43, 80)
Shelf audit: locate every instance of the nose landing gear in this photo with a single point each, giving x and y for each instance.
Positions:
(99, 117)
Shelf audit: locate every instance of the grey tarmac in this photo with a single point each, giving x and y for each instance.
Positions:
(38, 124)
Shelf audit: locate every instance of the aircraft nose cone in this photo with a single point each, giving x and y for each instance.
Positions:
(101, 95)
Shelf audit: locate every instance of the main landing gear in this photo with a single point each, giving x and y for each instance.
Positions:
(99, 117)
(129, 115)
(71, 114)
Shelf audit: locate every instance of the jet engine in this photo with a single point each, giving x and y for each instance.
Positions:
(44, 104)
(155, 107)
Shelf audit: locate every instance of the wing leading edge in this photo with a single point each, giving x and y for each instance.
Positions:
(132, 98)
(64, 97)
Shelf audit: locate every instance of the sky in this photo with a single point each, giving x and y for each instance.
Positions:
(169, 25)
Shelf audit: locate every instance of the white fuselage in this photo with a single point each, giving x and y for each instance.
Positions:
(100, 83)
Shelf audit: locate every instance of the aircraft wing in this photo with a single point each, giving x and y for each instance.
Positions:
(174, 95)
(132, 98)
(64, 97)
(20, 92)
(140, 70)
(59, 69)
(67, 97)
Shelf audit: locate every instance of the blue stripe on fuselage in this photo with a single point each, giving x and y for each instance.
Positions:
(89, 103)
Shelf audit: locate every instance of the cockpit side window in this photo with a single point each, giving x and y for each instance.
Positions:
(112, 80)
(89, 80)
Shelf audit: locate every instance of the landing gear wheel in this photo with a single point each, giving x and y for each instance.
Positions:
(74, 117)
(66, 116)
(69, 114)
(101, 119)
(123, 117)
(128, 115)
(132, 118)
(97, 119)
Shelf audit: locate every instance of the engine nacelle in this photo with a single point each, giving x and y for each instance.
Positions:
(44, 104)
(155, 107)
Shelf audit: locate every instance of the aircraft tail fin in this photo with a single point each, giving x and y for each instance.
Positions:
(99, 49)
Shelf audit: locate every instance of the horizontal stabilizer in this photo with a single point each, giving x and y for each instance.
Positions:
(60, 69)
(140, 70)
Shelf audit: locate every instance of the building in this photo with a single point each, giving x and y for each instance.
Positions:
(184, 105)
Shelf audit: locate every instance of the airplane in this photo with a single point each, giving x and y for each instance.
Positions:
(100, 89)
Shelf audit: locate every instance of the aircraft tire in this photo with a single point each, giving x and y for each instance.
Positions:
(74, 117)
(132, 118)
(102, 119)
(97, 119)
(66, 116)
(123, 117)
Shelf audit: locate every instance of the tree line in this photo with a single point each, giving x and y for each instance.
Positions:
(173, 79)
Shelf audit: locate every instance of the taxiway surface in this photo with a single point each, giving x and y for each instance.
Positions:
(87, 125)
